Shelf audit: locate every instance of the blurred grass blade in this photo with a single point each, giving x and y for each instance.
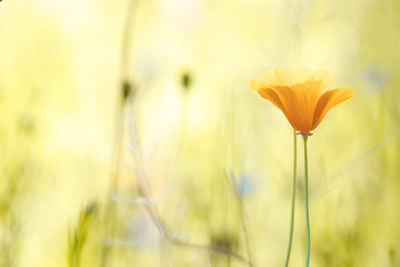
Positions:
(78, 235)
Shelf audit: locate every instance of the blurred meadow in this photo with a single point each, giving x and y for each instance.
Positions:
(129, 135)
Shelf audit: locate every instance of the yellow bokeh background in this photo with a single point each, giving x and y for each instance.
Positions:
(100, 99)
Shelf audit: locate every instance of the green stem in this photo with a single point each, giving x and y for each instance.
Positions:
(289, 249)
(305, 137)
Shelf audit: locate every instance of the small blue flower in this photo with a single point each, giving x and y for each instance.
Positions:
(244, 185)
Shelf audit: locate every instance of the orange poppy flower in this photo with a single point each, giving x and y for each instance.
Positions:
(299, 93)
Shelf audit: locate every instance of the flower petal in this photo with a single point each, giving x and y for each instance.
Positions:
(253, 84)
(328, 100)
(299, 101)
(288, 76)
(270, 94)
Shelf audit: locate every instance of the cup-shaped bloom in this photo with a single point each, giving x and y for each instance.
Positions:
(299, 93)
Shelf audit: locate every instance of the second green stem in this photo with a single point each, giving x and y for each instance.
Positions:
(305, 137)
(289, 249)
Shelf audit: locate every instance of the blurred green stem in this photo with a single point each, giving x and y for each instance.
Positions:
(305, 137)
(289, 249)
(111, 211)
